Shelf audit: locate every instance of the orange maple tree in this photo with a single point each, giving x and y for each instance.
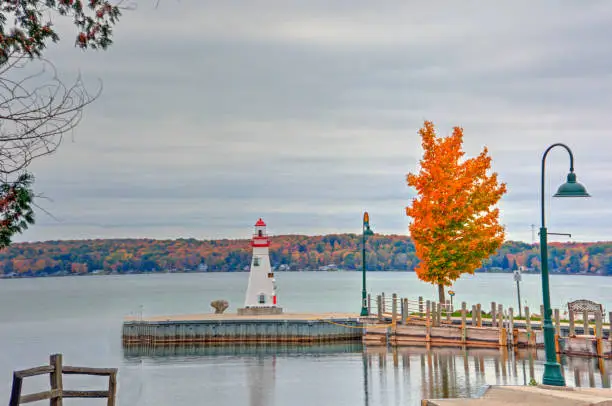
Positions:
(455, 221)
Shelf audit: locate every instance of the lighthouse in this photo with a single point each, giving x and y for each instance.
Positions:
(261, 292)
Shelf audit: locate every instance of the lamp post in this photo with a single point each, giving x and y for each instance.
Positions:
(571, 188)
(364, 295)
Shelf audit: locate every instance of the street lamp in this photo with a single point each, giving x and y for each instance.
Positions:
(571, 188)
(366, 231)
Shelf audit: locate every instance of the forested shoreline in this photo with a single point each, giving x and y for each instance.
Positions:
(287, 253)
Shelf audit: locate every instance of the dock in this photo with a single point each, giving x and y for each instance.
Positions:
(393, 321)
(234, 328)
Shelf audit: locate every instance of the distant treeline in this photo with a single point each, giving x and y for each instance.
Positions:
(287, 252)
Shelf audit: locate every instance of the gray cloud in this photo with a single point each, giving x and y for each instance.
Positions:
(306, 113)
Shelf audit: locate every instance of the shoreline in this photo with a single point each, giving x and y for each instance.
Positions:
(4, 277)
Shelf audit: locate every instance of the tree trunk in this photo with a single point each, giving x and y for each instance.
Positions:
(441, 293)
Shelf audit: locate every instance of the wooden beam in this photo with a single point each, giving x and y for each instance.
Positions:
(68, 370)
(45, 369)
(85, 394)
(35, 397)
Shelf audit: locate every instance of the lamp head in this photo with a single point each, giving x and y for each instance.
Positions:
(571, 188)
(368, 231)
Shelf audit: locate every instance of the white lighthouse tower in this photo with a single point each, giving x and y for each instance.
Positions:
(261, 292)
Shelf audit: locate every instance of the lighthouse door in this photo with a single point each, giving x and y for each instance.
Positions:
(262, 298)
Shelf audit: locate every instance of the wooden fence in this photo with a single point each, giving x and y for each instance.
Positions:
(398, 321)
(57, 393)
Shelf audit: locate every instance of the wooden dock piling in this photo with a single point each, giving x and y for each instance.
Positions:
(585, 323)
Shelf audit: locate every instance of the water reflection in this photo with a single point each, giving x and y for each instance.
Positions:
(372, 376)
(460, 373)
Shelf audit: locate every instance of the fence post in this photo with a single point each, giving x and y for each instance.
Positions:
(572, 328)
(16, 390)
(438, 314)
(542, 315)
(55, 361)
(598, 325)
(585, 323)
(379, 304)
(406, 311)
(449, 312)
(598, 334)
(112, 389)
(511, 323)
(369, 305)
(383, 302)
(527, 319)
(420, 306)
(463, 322)
(434, 313)
(428, 320)
(479, 315)
(493, 318)
(473, 315)
(393, 309)
(557, 323)
(557, 331)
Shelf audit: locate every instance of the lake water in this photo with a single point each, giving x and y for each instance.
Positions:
(81, 318)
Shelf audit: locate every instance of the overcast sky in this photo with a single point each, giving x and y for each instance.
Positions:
(306, 113)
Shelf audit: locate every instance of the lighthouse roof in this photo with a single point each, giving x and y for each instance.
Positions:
(260, 223)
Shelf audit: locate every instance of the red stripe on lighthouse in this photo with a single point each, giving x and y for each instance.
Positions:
(274, 299)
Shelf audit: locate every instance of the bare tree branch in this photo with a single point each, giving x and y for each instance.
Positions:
(36, 110)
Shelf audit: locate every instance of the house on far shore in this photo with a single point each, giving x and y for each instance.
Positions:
(330, 267)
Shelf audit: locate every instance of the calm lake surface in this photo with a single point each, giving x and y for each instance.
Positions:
(81, 318)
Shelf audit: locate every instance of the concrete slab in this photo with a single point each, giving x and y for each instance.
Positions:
(532, 395)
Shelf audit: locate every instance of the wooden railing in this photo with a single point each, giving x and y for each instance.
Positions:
(57, 392)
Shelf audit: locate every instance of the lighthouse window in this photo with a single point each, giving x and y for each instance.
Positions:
(256, 261)
(262, 298)
(260, 233)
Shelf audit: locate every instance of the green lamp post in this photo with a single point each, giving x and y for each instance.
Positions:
(571, 188)
(364, 295)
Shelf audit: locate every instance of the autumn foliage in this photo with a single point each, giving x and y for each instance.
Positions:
(25, 26)
(291, 252)
(455, 224)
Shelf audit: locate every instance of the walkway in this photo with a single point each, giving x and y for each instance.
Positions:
(532, 395)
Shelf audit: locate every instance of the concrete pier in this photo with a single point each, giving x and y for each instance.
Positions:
(234, 328)
(531, 395)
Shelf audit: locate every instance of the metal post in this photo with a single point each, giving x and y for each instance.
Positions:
(364, 308)
(552, 369)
